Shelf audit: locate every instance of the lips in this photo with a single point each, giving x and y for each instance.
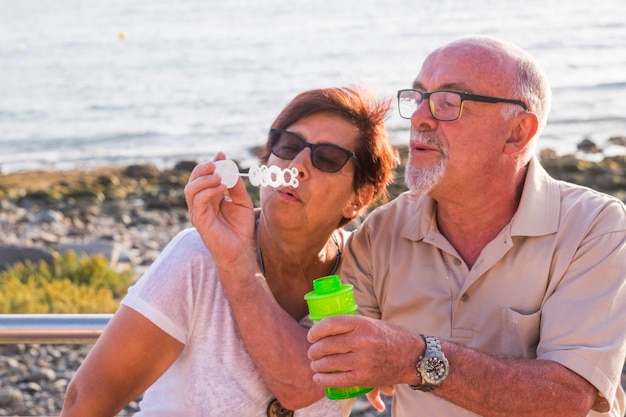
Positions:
(289, 193)
(419, 146)
(425, 141)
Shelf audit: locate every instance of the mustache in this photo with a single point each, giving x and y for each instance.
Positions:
(430, 139)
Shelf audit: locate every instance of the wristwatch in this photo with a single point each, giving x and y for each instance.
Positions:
(432, 367)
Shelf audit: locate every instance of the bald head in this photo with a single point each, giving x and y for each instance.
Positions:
(488, 65)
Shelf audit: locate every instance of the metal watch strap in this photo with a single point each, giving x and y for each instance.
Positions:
(432, 345)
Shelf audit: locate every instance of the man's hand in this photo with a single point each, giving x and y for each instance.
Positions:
(353, 350)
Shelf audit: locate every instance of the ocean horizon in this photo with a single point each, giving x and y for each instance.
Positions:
(84, 85)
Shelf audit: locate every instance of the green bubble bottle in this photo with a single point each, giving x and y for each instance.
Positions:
(329, 298)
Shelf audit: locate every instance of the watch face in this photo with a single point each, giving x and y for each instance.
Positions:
(435, 369)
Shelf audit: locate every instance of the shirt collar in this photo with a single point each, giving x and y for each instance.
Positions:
(537, 214)
(540, 206)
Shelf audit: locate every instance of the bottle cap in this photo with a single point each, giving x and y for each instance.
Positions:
(326, 285)
(329, 298)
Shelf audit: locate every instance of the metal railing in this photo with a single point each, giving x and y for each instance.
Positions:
(52, 328)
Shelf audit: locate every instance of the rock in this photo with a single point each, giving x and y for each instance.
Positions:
(153, 218)
(144, 171)
(617, 140)
(108, 180)
(185, 166)
(30, 387)
(9, 364)
(83, 196)
(10, 255)
(42, 375)
(110, 250)
(587, 145)
(37, 198)
(547, 155)
(48, 238)
(10, 396)
(48, 216)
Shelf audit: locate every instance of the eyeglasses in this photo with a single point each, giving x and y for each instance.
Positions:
(444, 105)
(324, 156)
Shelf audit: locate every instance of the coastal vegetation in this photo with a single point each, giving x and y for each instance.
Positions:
(69, 284)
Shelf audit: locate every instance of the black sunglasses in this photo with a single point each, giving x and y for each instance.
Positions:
(326, 157)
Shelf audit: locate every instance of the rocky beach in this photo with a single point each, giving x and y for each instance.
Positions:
(129, 214)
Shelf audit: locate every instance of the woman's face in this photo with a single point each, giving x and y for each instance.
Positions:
(321, 199)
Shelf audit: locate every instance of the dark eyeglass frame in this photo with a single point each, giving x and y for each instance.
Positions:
(464, 97)
(275, 134)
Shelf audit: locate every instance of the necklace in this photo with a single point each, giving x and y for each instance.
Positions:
(262, 264)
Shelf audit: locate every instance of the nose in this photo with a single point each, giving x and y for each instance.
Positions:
(422, 118)
(302, 162)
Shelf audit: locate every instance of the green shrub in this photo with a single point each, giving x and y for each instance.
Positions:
(70, 284)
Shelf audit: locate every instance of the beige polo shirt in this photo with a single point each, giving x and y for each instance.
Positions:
(551, 285)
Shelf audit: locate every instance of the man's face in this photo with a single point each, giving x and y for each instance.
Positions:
(445, 156)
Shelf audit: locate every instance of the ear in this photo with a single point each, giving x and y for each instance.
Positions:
(359, 202)
(523, 130)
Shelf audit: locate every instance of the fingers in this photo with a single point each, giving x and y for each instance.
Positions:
(204, 176)
(199, 193)
(332, 326)
(374, 398)
(332, 350)
(201, 179)
(203, 186)
(333, 337)
(205, 168)
(336, 379)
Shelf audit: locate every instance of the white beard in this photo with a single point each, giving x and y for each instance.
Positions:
(423, 180)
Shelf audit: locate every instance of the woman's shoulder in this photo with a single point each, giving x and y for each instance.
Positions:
(187, 239)
(186, 247)
(185, 262)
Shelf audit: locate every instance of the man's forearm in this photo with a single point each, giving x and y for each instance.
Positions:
(493, 387)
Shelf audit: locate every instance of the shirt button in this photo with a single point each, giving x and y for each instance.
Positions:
(465, 297)
(457, 261)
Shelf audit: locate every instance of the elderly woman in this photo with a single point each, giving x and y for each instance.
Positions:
(181, 334)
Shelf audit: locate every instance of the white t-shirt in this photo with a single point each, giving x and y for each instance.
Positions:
(214, 375)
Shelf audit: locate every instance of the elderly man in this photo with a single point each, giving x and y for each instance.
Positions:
(500, 290)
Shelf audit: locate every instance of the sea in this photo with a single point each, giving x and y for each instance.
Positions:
(85, 84)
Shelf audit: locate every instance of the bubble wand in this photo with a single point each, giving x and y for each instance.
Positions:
(258, 175)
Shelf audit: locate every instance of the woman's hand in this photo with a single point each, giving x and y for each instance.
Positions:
(225, 222)
(374, 397)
